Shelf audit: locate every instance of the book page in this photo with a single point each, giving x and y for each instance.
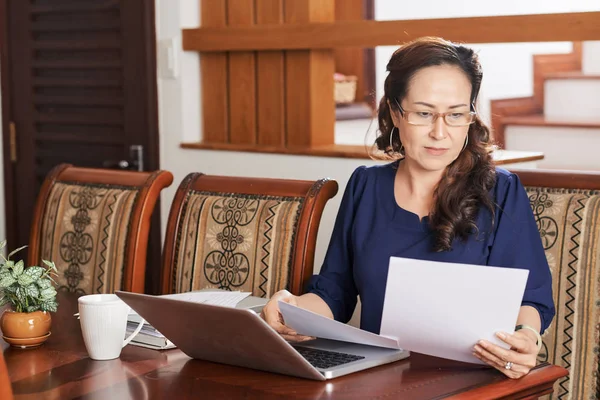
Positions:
(307, 323)
(444, 309)
(220, 298)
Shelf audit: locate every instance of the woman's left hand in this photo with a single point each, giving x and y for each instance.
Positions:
(514, 363)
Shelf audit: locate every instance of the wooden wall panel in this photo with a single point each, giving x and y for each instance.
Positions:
(270, 81)
(350, 60)
(242, 79)
(215, 105)
(310, 108)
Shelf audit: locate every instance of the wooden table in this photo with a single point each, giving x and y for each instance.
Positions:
(61, 369)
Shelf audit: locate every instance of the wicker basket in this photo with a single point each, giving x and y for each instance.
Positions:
(344, 89)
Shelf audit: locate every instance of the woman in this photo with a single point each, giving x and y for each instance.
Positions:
(441, 200)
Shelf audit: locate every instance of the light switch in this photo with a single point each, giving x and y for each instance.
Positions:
(168, 67)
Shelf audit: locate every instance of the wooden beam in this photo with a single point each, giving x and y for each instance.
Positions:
(310, 107)
(214, 66)
(242, 78)
(270, 81)
(331, 35)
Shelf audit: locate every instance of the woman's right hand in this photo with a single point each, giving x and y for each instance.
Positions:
(272, 315)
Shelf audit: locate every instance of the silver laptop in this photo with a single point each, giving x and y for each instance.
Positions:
(241, 337)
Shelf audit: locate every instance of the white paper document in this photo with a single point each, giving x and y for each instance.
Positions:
(216, 298)
(308, 323)
(444, 309)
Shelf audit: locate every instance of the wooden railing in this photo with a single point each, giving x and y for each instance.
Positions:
(267, 65)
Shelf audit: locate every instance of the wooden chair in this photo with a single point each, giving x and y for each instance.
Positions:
(566, 205)
(248, 234)
(94, 224)
(6, 392)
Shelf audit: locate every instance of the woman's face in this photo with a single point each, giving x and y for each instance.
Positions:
(436, 89)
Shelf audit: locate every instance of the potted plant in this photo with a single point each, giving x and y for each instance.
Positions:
(31, 293)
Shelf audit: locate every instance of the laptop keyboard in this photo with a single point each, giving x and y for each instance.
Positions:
(324, 359)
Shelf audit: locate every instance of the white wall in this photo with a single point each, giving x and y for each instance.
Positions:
(507, 68)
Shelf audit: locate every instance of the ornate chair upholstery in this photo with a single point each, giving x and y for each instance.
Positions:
(94, 224)
(566, 205)
(249, 234)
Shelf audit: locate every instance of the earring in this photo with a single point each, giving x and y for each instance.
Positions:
(391, 141)
(466, 143)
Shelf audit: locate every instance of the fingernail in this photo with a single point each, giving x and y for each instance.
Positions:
(501, 335)
(477, 348)
(481, 343)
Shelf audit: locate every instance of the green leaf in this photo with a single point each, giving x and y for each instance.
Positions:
(48, 293)
(44, 283)
(34, 272)
(32, 290)
(11, 290)
(50, 264)
(2, 244)
(15, 251)
(9, 264)
(51, 306)
(33, 308)
(4, 300)
(21, 295)
(25, 280)
(6, 281)
(18, 269)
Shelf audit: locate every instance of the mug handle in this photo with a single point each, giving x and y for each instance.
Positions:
(137, 330)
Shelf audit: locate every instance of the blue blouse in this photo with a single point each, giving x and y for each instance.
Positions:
(370, 227)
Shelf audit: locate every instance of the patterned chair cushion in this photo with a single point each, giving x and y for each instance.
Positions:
(235, 242)
(569, 225)
(84, 231)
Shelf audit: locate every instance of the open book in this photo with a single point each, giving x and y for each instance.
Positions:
(148, 336)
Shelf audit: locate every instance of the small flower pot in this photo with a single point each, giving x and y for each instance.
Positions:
(25, 329)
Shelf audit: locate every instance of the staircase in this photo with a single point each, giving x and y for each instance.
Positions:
(562, 118)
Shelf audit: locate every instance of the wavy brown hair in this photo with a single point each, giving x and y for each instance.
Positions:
(466, 183)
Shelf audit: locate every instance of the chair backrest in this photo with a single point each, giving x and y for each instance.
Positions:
(6, 392)
(250, 234)
(94, 224)
(566, 205)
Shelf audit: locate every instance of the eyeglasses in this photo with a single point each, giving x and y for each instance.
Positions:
(428, 118)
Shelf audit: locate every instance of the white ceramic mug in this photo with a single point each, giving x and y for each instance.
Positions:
(103, 319)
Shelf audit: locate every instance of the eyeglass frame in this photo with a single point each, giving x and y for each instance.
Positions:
(436, 115)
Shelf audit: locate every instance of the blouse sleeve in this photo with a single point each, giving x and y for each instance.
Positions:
(517, 244)
(335, 282)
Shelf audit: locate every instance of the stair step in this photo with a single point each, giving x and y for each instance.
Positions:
(572, 75)
(564, 147)
(572, 98)
(541, 120)
(590, 62)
